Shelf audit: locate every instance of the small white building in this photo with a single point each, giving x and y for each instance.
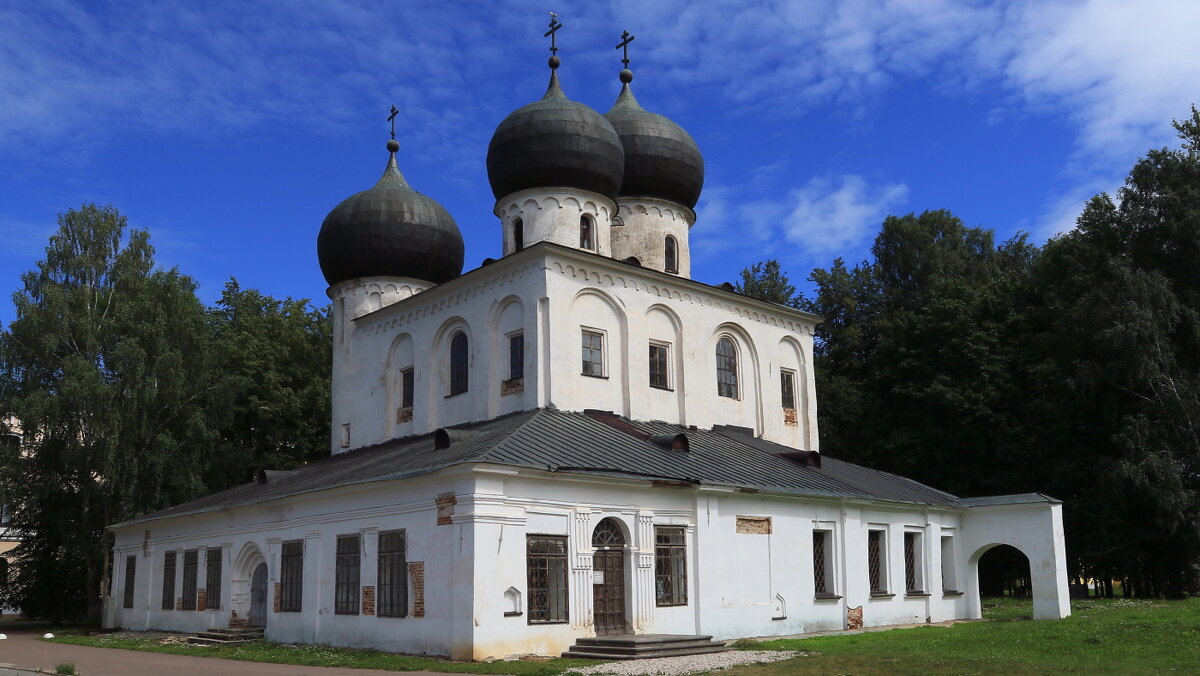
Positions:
(574, 440)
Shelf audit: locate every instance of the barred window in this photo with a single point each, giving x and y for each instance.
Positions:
(593, 353)
(672, 255)
(393, 576)
(875, 568)
(458, 363)
(913, 583)
(658, 366)
(727, 379)
(168, 589)
(547, 568)
(347, 575)
(670, 566)
(189, 580)
(212, 579)
(130, 576)
(516, 356)
(291, 577)
(822, 563)
(787, 380)
(406, 387)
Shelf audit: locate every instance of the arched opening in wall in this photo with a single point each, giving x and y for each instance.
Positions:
(671, 255)
(1004, 572)
(727, 372)
(458, 363)
(608, 578)
(518, 234)
(587, 238)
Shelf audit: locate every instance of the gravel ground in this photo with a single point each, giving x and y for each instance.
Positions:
(688, 664)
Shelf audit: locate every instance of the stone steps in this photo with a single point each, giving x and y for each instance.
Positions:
(220, 636)
(643, 646)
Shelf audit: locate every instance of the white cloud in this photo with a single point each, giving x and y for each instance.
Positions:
(828, 215)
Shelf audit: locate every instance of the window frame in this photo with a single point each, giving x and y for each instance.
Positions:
(914, 562)
(347, 574)
(877, 563)
(824, 563)
(516, 355)
(787, 388)
(408, 386)
(518, 234)
(168, 586)
(212, 578)
(671, 255)
(555, 590)
(459, 363)
(587, 233)
(670, 566)
(727, 363)
(949, 565)
(191, 564)
(130, 581)
(666, 365)
(602, 351)
(391, 584)
(291, 576)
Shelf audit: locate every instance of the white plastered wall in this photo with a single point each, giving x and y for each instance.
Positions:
(1036, 529)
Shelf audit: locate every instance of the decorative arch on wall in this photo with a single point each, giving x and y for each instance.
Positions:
(401, 357)
(678, 382)
(437, 387)
(610, 533)
(749, 366)
(618, 340)
(790, 354)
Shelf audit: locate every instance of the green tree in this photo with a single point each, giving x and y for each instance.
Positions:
(107, 369)
(767, 281)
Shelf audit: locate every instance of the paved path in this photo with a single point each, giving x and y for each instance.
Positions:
(24, 651)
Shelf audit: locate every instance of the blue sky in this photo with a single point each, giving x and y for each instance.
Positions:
(229, 129)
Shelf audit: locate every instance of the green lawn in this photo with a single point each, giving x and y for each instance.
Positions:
(1101, 637)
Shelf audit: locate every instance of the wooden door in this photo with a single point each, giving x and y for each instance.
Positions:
(608, 592)
(258, 597)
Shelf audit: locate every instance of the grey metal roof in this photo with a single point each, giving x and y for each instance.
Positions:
(661, 159)
(1018, 499)
(593, 444)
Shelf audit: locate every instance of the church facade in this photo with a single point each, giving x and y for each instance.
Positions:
(576, 439)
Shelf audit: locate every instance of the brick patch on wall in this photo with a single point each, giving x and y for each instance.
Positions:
(178, 603)
(445, 509)
(854, 618)
(201, 599)
(416, 571)
(368, 600)
(235, 621)
(754, 525)
(275, 607)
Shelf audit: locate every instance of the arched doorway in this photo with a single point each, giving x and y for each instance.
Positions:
(1004, 571)
(608, 578)
(258, 597)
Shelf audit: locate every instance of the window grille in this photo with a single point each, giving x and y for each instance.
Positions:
(585, 233)
(593, 353)
(291, 577)
(820, 578)
(658, 366)
(912, 563)
(518, 235)
(393, 576)
(406, 387)
(168, 588)
(875, 561)
(458, 363)
(516, 356)
(212, 579)
(546, 564)
(787, 381)
(189, 580)
(347, 575)
(670, 566)
(727, 385)
(130, 577)
(672, 264)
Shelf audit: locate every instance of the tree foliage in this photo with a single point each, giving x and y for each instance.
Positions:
(767, 281)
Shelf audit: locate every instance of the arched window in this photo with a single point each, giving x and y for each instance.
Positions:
(458, 363)
(727, 385)
(671, 255)
(518, 232)
(608, 534)
(585, 233)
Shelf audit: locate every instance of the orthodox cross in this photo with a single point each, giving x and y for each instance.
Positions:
(554, 26)
(392, 119)
(626, 38)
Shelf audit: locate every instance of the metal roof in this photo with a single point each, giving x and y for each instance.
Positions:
(1019, 499)
(590, 443)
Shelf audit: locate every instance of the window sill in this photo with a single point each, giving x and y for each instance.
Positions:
(826, 597)
(589, 375)
(542, 622)
(670, 605)
(346, 612)
(882, 595)
(663, 389)
(513, 613)
(951, 592)
(916, 594)
(454, 394)
(779, 619)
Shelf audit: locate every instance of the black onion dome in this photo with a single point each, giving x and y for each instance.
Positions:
(390, 230)
(661, 159)
(555, 142)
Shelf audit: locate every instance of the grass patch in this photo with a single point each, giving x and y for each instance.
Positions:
(325, 656)
(1103, 636)
(66, 669)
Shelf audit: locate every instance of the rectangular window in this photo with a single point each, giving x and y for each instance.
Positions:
(168, 590)
(593, 353)
(130, 577)
(516, 356)
(212, 579)
(787, 380)
(823, 564)
(658, 366)
(949, 569)
(189, 580)
(291, 577)
(546, 564)
(913, 579)
(345, 435)
(406, 387)
(393, 575)
(876, 570)
(670, 566)
(346, 573)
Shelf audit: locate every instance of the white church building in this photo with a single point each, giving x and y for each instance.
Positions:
(574, 440)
